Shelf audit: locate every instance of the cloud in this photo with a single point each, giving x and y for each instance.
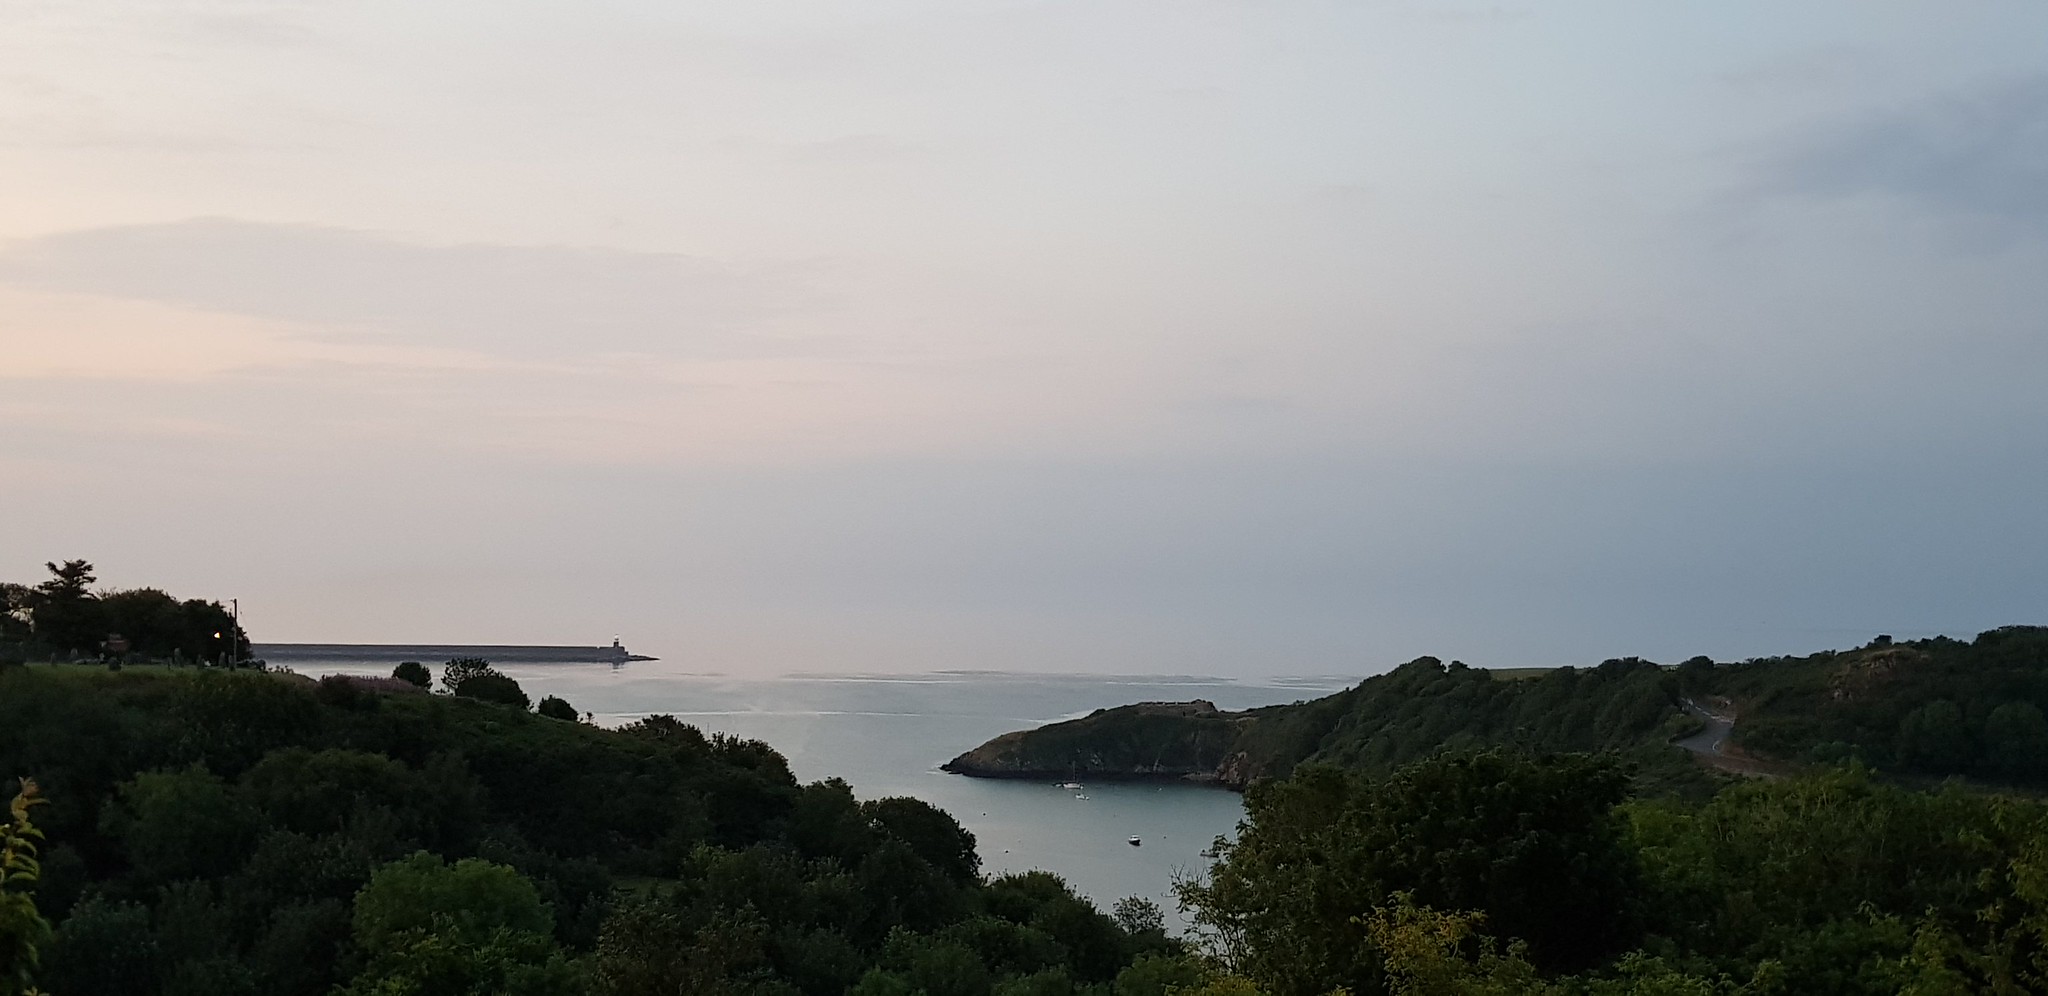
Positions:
(1980, 157)
(350, 285)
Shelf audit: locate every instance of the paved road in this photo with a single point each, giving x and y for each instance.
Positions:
(1711, 746)
(1709, 740)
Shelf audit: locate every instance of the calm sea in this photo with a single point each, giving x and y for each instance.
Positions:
(887, 735)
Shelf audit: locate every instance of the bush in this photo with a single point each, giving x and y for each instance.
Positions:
(475, 678)
(341, 691)
(413, 672)
(554, 707)
(461, 669)
(493, 687)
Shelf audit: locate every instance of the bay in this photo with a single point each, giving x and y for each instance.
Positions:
(887, 735)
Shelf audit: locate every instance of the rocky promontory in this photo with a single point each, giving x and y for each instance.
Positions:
(1179, 741)
(1982, 700)
(1413, 711)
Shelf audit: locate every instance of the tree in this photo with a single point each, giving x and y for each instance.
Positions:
(493, 687)
(15, 603)
(413, 672)
(504, 963)
(556, 708)
(23, 930)
(930, 831)
(342, 692)
(1159, 975)
(1532, 843)
(1934, 739)
(64, 613)
(1138, 915)
(468, 900)
(104, 946)
(2011, 953)
(1421, 950)
(153, 622)
(181, 824)
(2016, 739)
(473, 928)
(650, 949)
(71, 581)
(475, 678)
(461, 669)
(210, 632)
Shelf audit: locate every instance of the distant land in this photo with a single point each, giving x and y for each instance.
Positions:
(1933, 708)
(431, 653)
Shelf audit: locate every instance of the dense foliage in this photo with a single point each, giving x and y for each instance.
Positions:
(225, 832)
(1932, 707)
(23, 929)
(1534, 844)
(413, 673)
(63, 618)
(1494, 873)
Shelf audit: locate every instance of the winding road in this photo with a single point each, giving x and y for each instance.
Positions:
(1710, 745)
(1709, 740)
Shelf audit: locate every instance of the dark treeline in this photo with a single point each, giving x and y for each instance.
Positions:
(64, 618)
(240, 832)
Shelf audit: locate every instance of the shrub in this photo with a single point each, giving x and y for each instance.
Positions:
(554, 707)
(341, 691)
(461, 669)
(493, 687)
(413, 672)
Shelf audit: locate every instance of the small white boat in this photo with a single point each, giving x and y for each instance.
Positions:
(1135, 842)
(1070, 785)
(1082, 797)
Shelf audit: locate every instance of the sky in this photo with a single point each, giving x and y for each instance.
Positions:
(1128, 337)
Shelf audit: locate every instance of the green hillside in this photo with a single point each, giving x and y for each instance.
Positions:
(1934, 707)
(1418, 709)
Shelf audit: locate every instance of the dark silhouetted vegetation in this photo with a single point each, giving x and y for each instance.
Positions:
(1438, 830)
(1499, 874)
(248, 832)
(64, 618)
(475, 678)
